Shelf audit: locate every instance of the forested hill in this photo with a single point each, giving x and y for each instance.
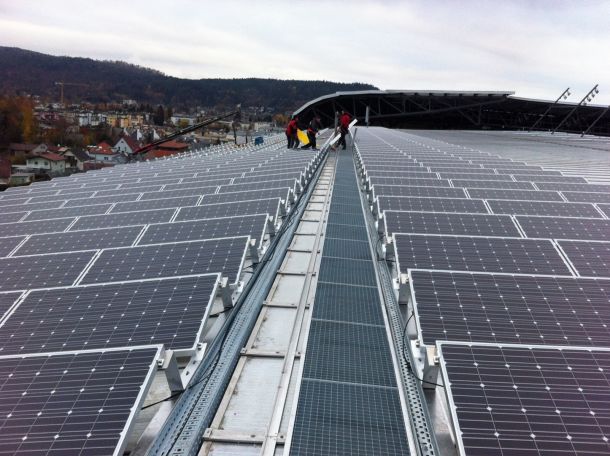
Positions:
(106, 81)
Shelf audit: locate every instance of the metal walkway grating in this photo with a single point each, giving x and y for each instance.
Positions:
(349, 402)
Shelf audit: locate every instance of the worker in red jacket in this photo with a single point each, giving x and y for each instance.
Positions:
(344, 122)
(291, 133)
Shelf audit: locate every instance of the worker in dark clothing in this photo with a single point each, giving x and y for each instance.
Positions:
(344, 122)
(291, 133)
(312, 130)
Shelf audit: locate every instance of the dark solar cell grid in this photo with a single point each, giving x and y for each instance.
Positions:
(123, 219)
(431, 204)
(605, 208)
(70, 404)
(7, 300)
(478, 254)
(460, 168)
(257, 185)
(95, 209)
(170, 260)
(232, 197)
(523, 169)
(591, 259)
(525, 195)
(203, 183)
(543, 208)
(34, 227)
(10, 204)
(345, 352)
(554, 178)
(450, 223)
(347, 303)
(128, 191)
(165, 203)
(508, 185)
(347, 271)
(529, 401)
(565, 228)
(594, 188)
(178, 193)
(476, 177)
(101, 200)
(248, 225)
(51, 198)
(345, 248)
(19, 207)
(11, 217)
(79, 240)
(8, 244)
(401, 174)
(410, 182)
(266, 178)
(432, 192)
(264, 206)
(169, 312)
(512, 309)
(586, 197)
(42, 271)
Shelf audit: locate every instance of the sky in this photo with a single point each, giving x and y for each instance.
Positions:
(536, 48)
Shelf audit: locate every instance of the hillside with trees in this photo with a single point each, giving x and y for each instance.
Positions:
(95, 81)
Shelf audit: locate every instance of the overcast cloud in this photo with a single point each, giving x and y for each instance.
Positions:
(536, 48)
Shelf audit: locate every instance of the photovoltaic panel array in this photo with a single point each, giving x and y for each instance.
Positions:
(511, 315)
(79, 278)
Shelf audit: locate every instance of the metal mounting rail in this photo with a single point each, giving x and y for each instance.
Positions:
(421, 423)
(183, 431)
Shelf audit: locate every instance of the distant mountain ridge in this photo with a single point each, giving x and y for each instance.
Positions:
(36, 73)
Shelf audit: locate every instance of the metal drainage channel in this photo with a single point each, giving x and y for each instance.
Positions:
(182, 433)
(421, 423)
(332, 381)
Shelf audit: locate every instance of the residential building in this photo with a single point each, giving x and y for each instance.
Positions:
(126, 145)
(48, 161)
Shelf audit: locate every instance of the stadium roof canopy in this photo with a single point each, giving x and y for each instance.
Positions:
(425, 109)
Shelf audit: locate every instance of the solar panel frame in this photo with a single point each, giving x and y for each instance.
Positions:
(92, 315)
(521, 408)
(104, 386)
(541, 246)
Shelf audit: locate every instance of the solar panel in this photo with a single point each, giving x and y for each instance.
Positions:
(400, 203)
(123, 219)
(543, 208)
(502, 308)
(462, 168)
(101, 200)
(224, 256)
(203, 183)
(257, 186)
(247, 225)
(42, 271)
(7, 300)
(72, 241)
(11, 217)
(508, 185)
(449, 223)
(565, 228)
(8, 244)
(231, 197)
(605, 208)
(477, 254)
(515, 400)
(402, 174)
(589, 258)
(46, 214)
(171, 312)
(586, 197)
(546, 178)
(165, 203)
(265, 177)
(525, 195)
(18, 207)
(574, 187)
(430, 192)
(34, 227)
(48, 198)
(178, 193)
(72, 403)
(264, 206)
(477, 177)
(128, 191)
(408, 181)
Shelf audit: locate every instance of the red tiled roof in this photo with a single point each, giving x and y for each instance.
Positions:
(173, 145)
(52, 156)
(133, 145)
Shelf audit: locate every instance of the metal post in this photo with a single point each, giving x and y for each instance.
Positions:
(366, 115)
(590, 94)
(595, 121)
(565, 94)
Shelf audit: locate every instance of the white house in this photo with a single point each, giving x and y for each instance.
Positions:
(48, 161)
